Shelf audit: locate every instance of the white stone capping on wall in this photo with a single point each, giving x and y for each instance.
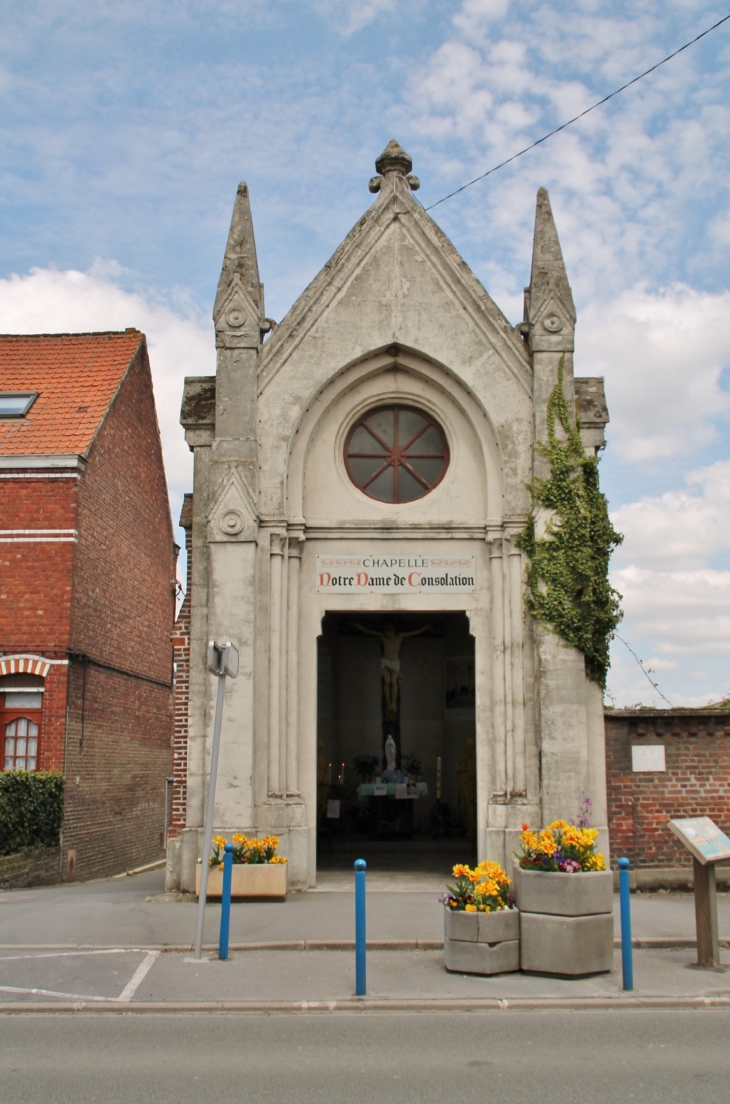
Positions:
(70, 460)
(36, 536)
(39, 475)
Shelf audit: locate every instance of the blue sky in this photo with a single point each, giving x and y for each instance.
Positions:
(126, 126)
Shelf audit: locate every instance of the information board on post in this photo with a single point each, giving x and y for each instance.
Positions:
(396, 573)
(702, 837)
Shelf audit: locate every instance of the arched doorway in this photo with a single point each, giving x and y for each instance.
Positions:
(419, 815)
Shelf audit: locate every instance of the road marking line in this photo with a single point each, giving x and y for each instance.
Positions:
(138, 977)
(70, 954)
(52, 993)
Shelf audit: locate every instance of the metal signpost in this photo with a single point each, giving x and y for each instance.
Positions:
(707, 845)
(222, 661)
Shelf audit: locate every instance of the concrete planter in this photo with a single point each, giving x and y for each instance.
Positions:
(482, 942)
(563, 894)
(566, 922)
(248, 880)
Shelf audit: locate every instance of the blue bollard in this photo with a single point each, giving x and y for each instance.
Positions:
(226, 901)
(627, 959)
(360, 943)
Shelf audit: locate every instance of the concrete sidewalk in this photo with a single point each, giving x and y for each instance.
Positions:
(135, 912)
(124, 944)
(291, 980)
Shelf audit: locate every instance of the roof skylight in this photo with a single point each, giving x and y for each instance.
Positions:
(16, 404)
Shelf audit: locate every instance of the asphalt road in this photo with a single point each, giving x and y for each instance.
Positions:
(505, 1057)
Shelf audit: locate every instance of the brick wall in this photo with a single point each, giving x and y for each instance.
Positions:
(123, 587)
(695, 783)
(35, 576)
(122, 611)
(35, 588)
(117, 759)
(181, 648)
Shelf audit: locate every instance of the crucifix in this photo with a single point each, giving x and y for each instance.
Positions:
(391, 642)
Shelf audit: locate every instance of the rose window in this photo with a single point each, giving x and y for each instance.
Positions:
(396, 454)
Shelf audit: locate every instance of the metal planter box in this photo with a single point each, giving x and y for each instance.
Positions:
(482, 942)
(566, 922)
(248, 880)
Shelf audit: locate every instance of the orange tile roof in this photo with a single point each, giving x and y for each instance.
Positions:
(76, 377)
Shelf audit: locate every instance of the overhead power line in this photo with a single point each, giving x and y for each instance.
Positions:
(647, 670)
(575, 118)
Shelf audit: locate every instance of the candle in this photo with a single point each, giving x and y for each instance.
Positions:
(438, 778)
(329, 774)
(342, 775)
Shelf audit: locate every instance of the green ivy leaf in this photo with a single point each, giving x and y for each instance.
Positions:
(567, 574)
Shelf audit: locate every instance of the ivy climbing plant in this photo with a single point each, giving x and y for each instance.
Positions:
(567, 574)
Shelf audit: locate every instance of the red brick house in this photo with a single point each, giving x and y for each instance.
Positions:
(87, 592)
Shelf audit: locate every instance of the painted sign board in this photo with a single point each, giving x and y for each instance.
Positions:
(396, 573)
(703, 838)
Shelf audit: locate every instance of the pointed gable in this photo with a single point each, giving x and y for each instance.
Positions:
(399, 267)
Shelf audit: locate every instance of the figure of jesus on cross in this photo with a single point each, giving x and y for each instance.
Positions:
(390, 660)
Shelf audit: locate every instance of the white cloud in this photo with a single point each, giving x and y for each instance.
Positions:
(351, 16)
(682, 612)
(476, 14)
(49, 301)
(675, 602)
(662, 354)
(635, 185)
(655, 664)
(679, 529)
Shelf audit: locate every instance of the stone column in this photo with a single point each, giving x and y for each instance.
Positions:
(507, 608)
(282, 664)
(276, 552)
(292, 669)
(499, 770)
(518, 783)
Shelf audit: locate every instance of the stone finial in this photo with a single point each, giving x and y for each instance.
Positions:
(394, 159)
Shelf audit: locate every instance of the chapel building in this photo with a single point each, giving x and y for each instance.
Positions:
(362, 474)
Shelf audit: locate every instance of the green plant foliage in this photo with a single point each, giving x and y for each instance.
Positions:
(31, 810)
(567, 576)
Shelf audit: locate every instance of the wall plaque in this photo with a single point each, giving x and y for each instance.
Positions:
(648, 757)
(396, 573)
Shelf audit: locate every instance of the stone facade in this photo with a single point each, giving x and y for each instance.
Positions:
(395, 316)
